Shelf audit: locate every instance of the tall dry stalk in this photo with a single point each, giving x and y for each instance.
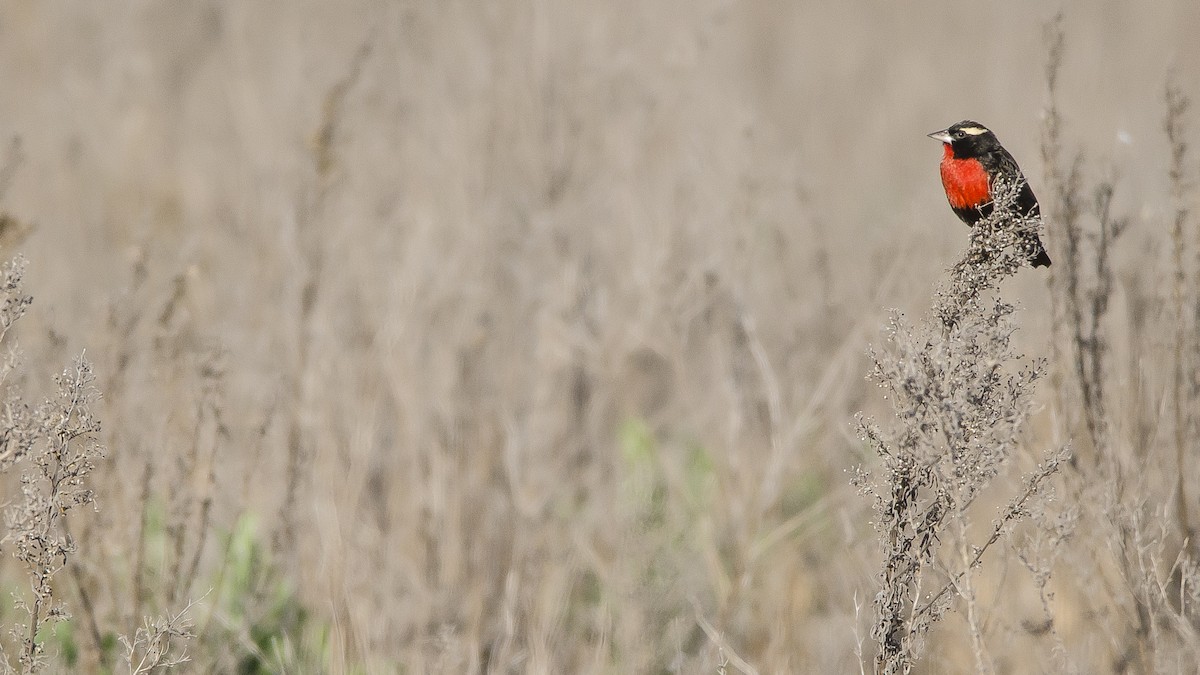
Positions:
(1082, 284)
(960, 395)
(311, 242)
(1182, 375)
(54, 446)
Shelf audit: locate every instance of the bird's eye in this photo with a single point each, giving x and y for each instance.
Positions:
(960, 134)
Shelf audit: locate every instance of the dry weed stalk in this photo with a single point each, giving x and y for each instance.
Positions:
(1083, 284)
(311, 243)
(1060, 204)
(1040, 550)
(960, 395)
(1184, 381)
(54, 444)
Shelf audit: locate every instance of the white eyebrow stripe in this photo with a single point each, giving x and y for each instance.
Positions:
(974, 131)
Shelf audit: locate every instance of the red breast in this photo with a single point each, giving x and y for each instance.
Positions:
(965, 180)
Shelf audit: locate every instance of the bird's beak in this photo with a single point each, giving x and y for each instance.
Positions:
(943, 135)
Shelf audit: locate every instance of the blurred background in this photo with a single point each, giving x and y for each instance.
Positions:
(526, 336)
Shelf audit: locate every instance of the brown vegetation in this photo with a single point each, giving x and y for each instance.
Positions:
(528, 337)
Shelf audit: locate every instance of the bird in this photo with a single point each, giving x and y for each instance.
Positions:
(972, 160)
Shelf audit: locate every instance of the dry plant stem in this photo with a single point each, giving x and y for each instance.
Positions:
(1184, 390)
(858, 639)
(1080, 291)
(140, 587)
(769, 486)
(181, 510)
(1069, 212)
(960, 395)
(85, 599)
(1087, 307)
(966, 591)
(1039, 555)
(1195, 224)
(1014, 512)
(13, 161)
(1094, 342)
(209, 431)
(311, 244)
(1057, 208)
(728, 655)
(61, 455)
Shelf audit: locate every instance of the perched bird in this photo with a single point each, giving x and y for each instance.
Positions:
(972, 160)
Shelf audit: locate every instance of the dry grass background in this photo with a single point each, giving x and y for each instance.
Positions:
(527, 337)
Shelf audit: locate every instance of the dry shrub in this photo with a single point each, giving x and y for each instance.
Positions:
(960, 396)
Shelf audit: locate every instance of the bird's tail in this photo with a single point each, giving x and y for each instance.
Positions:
(1040, 259)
